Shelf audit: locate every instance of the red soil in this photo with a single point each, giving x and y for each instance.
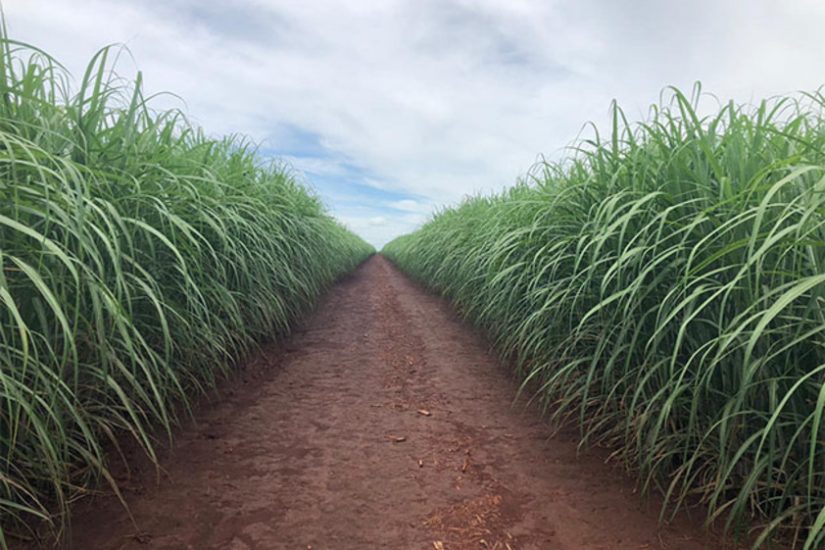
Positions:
(385, 422)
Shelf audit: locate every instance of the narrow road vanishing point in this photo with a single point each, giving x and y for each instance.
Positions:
(383, 422)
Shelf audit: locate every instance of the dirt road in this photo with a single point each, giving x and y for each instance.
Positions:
(383, 423)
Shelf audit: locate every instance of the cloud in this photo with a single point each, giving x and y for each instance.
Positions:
(428, 101)
(410, 205)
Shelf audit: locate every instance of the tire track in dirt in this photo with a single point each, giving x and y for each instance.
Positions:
(382, 423)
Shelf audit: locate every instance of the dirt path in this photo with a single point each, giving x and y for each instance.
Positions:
(303, 456)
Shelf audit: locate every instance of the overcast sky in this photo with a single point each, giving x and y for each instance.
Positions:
(391, 108)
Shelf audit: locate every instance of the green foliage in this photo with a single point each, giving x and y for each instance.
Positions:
(139, 260)
(664, 288)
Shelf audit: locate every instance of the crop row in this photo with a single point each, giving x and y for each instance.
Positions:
(663, 288)
(139, 261)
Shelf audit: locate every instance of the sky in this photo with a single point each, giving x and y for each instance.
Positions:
(390, 109)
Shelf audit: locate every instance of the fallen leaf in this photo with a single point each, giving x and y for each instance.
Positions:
(396, 438)
(424, 412)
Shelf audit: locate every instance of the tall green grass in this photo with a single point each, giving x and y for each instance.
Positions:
(139, 260)
(663, 287)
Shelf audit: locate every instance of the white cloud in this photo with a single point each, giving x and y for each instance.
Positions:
(434, 98)
(410, 205)
(316, 165)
